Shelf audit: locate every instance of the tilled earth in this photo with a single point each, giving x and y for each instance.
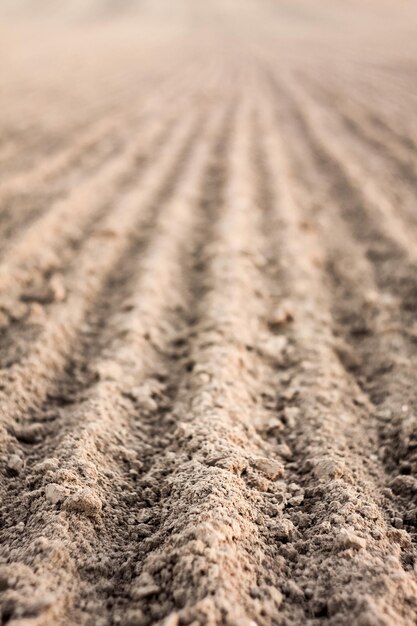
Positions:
(208, 295)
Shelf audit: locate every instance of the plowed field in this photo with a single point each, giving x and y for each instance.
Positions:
(208, 297)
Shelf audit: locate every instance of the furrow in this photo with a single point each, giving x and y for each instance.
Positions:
(393, 125)
(393, 259)
(47, 245)
(27, 381)
(380, 162)
(370, 133)
(393, 262)
(385, 111)
(20, 151)
(29, 195)
(337, 505)
(215, 470)
(374, 206)
(55, 165)
(74, 122)
(86, 439)
(88, 132)
(373, 304)
(377, 344)
(24, 200)
(378, 347)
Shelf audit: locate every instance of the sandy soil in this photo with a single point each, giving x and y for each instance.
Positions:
(208, 293)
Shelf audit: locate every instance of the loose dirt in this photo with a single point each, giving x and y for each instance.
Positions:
(208, 288)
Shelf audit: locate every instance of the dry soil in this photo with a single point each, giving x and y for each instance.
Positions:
(208, 295)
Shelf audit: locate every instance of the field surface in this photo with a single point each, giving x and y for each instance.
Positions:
(208, 296)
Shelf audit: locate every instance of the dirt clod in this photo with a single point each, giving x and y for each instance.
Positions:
(347, 539)
(83, 501)
(55, 493)
(270, 467)
(15, 463)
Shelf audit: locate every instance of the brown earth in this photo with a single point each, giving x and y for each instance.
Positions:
(208, 295)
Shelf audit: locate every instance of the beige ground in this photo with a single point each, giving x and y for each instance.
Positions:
(208, 295)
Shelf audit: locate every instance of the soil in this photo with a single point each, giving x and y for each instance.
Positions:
(208, 288)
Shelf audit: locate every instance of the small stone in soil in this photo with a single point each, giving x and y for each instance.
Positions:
(15, 463)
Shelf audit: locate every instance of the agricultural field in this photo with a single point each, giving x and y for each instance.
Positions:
(208, 297)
